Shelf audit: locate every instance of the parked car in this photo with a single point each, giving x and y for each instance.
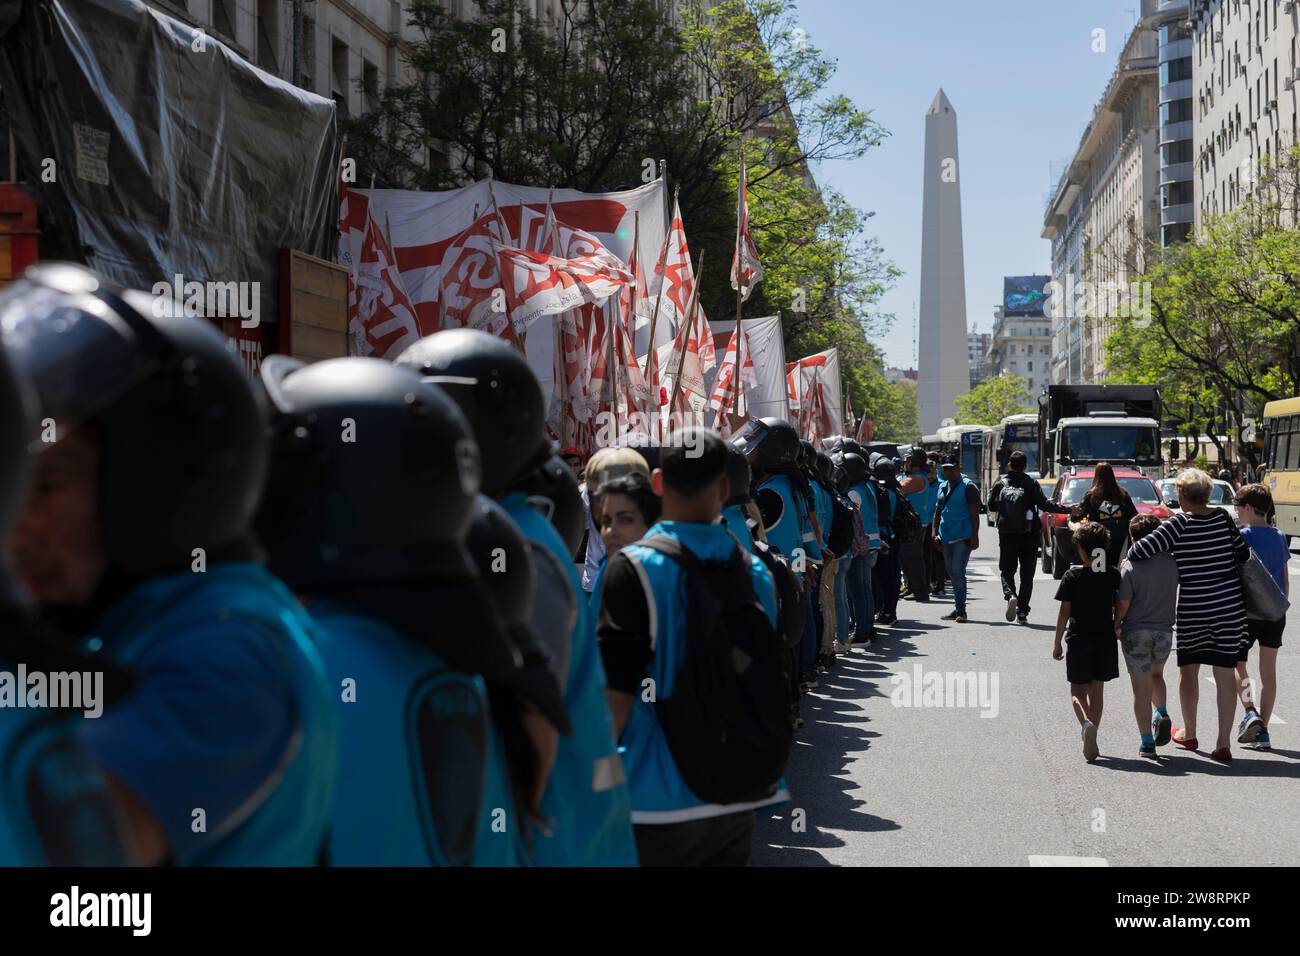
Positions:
(1222, 496)
(1059, 552)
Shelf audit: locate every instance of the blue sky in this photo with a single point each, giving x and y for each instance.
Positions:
(1023, 78)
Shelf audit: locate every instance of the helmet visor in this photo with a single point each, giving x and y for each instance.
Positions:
(750, 437)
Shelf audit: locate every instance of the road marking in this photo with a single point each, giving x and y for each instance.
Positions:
(1067, 861)
(1275, 719)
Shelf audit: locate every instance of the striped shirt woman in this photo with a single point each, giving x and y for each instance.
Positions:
(1211, 618)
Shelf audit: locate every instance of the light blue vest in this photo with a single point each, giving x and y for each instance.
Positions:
(923, 501)
(793, 529)
(422, 780)
(734, 516)
(289, 826)
(870, 515)
(954, 519)
(659, 795)
(53, 803)
(825, 510)
(587, 796)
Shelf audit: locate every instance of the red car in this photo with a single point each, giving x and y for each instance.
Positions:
(1058, 550)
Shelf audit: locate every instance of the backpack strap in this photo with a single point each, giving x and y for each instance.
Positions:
(672, 548)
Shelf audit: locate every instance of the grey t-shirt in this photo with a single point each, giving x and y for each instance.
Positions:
(1152, 587)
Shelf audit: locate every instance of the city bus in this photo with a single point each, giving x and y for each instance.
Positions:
(967, 443)
(1282, 459)
(1013, 433)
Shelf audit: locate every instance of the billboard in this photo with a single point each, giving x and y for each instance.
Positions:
(1024, 295)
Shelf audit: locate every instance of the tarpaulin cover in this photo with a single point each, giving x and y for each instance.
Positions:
(171, 154)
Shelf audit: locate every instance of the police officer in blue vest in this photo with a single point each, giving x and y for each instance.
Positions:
(862, 492)
(372, 490)
(137, 539)
(585, 806)
(957, 529)
(887, 584)
(643, 641)
(733, 511)
(54, 804)
(920, 494)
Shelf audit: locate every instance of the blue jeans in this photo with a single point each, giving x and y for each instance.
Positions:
(956, 554)
(842, 599)
(860, 592)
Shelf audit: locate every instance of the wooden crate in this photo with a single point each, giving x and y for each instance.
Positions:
(313, 307)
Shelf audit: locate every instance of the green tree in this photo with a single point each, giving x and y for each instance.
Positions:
(993, 400)
(894, 412)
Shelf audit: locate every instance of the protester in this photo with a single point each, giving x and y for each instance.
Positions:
(627, 507)
(59, 813)
(1086, 621)
(648, 635)
(1255, 512)
(1144, 622)
(1109, 504)
(957, 530)
(605, 465)
(586, 801)
(368, 533)
(938, 573)
(1016, 499)
(862, 492)
(886, 572)
(1211, 617)
(136, 540)
(575, 459)
(734, 514)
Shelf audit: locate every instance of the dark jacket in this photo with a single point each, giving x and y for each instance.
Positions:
(1034, 498)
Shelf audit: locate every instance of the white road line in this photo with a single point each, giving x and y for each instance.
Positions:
(1275, 719)
(1067, 861)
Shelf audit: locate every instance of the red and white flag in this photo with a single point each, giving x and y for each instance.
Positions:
(381, 318)
(675, 283)
(746, 271)
(723, 399)
(537, 284)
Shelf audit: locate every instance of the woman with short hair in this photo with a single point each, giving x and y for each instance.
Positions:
(1211, 615)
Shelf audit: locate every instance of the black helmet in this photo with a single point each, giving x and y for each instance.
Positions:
(183, 435)
(505, 567)
(918, 457)
(373, 474)
(807, 455)
(855, 467)
(739, 475)
(841, 479)
(500, 396)
(1225, 475)
(15, 432)
(825, 467)
(849, 446)
(771, 444)
(553, 489)
(884, 469)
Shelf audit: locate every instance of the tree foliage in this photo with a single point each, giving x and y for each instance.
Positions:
(993, 400)
(893, 409)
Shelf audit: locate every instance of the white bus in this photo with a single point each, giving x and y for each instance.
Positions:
(1013, 433)
(967, 442)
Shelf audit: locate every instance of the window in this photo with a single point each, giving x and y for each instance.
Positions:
(369, 86)
(268, 36)
(308, 79)
(1031, 361)
(339, 75)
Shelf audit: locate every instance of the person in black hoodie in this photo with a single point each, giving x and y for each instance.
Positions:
(1016, 499)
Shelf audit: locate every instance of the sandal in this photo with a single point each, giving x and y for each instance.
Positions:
(1189, 743)
(1223, 755)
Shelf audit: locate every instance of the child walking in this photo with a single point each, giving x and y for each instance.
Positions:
(1144, 623)
(1086, 621)
(1255, 509)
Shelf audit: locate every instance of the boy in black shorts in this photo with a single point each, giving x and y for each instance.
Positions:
(1086, 621)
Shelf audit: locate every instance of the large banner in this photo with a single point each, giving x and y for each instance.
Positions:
(767, 397)
(424, 226)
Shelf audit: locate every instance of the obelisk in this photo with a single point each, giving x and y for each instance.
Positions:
(944, 369)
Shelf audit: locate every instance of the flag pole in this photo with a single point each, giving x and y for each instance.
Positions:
(611, 369)
(516, 337)
(663, 259)
(689, 323)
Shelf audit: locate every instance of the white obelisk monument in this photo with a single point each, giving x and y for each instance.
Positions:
(944, 369)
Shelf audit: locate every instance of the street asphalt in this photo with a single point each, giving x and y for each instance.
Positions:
(879, 780)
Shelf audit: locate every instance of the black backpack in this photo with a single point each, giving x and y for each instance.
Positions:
(1013, 503)
(840, 541)
(727, 723)
(789, 608)
(907, 523)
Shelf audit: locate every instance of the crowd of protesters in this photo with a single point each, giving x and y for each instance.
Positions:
(363, 612)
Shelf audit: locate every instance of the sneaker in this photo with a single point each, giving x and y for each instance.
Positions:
(1089, 735)
(1011, 608)
(1148, 751)
(1162, 728)
(1262, 742)
(1022, 618)
(952, 615)
(1249, 728)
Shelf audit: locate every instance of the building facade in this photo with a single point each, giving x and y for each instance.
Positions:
(1021, 345)
(1105, 209)
(977, 353)
(1245, 74)
(1177, 190)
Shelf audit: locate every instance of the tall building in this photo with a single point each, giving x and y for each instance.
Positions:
(1246, 66)
(977, 354)
(1022, 336)
(943, 365)
(1105, 209)
(1177, 199)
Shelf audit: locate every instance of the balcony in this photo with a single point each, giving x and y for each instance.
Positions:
(1177, 90)
(1174, 132)
(1183, 212)
(1177, 173)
